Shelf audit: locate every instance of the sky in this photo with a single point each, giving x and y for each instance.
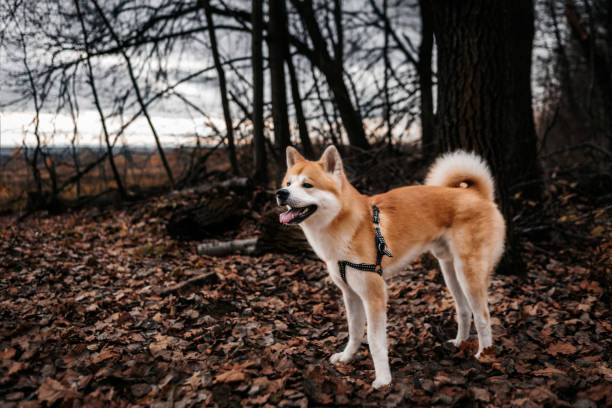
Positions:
(176, 123)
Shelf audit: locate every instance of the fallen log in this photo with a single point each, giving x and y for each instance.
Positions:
(220, 207)
(273, 237)
(246, 246)
(277, 237)
(212, 217)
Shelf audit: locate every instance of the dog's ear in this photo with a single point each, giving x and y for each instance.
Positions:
(293, 156)
(331, 161)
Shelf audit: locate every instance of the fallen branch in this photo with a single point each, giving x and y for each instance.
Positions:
(228, 247)
(205, 277)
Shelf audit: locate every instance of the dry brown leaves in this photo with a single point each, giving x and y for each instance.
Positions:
(84, 323)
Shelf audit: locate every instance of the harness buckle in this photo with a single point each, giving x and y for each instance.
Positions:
(375, 212)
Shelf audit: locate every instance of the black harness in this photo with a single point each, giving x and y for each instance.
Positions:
(381, 250)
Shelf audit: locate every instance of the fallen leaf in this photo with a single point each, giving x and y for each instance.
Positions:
(103, 355)
(548, 372)
(7, 353)
(561, 348)
(52, 390)
(480, 394)
(230, 376)
(15, 367)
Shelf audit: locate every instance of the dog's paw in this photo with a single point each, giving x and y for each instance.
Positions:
(381, 381)
(455, 342)
(340, 357)
(335, 358)
(486, 354)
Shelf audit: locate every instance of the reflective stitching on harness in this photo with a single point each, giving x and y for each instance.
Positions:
(381, 250)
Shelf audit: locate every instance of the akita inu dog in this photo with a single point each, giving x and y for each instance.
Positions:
(453, 216)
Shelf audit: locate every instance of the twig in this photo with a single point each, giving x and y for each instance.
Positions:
(585, 145)
(208, 276)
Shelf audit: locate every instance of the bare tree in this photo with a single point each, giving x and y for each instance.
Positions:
(139, 97)
(428, 138)
(261, 174)
(299, 112)
(229, 127)
(333, 69)
(94, 92)
(277, 47)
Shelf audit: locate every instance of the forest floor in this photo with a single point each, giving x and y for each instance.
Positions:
(90, 316)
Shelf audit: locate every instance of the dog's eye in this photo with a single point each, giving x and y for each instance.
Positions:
(288, 183)
(307, 185)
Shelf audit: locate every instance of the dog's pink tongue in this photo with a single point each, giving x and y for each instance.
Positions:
(287, 216)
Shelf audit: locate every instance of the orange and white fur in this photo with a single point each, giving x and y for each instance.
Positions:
(453, 216)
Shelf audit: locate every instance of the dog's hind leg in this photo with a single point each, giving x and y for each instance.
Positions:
(462, 307)
(356, 317)
(474, 281)
(464, 313)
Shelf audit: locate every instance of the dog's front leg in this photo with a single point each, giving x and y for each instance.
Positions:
(377, 339)
(371, 289)
(356, 317)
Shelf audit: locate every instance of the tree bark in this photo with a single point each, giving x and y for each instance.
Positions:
(259, 143)
(330, 125)
(229, 127)
(277, 50)
(387, 108)
(299, 112)
(333, 70)
(428, 138)
(484, 94)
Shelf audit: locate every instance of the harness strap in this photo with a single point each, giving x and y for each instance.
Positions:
(381, 250)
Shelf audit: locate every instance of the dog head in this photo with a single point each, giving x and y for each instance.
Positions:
(311, 189)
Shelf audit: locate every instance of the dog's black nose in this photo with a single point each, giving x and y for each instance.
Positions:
(282, 195)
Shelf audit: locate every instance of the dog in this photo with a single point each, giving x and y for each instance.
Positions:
(453, 216)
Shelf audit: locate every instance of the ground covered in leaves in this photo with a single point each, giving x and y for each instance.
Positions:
(90, 315)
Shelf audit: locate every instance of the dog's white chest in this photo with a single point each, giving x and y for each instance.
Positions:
(323, 245)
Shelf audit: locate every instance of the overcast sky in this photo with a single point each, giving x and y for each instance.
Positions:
(176, 122)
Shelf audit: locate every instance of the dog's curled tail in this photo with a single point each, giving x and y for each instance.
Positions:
(462, 169)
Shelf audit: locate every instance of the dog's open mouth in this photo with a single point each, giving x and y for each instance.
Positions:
(297, 215)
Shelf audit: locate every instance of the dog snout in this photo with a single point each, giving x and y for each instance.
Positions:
(282, 195)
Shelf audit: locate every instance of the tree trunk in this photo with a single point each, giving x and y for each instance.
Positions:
(333, 70)
(143, 105)
(484, 94)
(299, 112)
(351, 118)
(94, 91)
(222, 87)
(594, 53)
(259, 143)
(387, 108)
(330, 125)
(277, 50)
(428, 138)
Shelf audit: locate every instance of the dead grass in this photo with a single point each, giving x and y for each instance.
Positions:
(138, 171)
